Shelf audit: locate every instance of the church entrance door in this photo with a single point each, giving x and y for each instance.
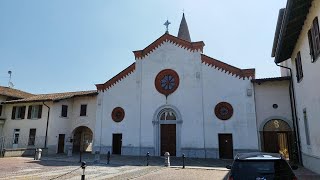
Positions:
(116, 143)
(168, 139)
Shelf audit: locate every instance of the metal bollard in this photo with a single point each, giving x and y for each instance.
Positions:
(167, 159)
(35, 154)
(148, 154)
(97, 157)
(69, 151)
(80, 160)
(108, 157)
(83, 166)
(183, 159)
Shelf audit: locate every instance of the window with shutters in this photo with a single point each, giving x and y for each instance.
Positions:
(34, 112)
(64, 111)
(32, 137)
(299, 67)
(83, 110)
(18, 112)
(314, 40)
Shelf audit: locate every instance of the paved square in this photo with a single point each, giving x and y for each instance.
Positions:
(120, 167)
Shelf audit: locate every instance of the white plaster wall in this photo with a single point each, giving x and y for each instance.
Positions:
(57, 124)
(195, 99)
(220, 86)
(90, 119)
(307, 91)
(3, 116)
(66, 125)
(122, 94)
(269, 93)
(187, 98)
(25, 124)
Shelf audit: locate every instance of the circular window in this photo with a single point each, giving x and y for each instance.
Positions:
(167, 81)
(117, 114)
(275, 106)
(223, 110)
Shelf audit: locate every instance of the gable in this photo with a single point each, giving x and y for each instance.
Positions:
(191, 46)
(116, 78)
(241, 73)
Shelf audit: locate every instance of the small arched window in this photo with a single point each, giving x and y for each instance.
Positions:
(167, 114)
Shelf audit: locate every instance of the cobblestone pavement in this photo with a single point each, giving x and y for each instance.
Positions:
(186, 174)
(120, 167)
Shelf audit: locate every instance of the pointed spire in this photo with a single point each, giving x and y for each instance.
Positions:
(183, 30)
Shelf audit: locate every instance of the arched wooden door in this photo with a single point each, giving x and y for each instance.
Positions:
(277, 137)
(167, 119)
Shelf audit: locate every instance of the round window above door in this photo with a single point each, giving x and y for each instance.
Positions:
(223, 110)
(167, 81)
(118, 114)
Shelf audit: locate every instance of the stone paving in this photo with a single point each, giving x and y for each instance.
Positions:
(120, 167)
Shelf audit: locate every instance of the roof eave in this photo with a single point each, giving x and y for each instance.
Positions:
(295, 13)
(283, 78)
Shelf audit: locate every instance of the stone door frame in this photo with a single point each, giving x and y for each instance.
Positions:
(156, 128)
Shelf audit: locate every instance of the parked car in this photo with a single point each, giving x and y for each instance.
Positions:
(261, 166)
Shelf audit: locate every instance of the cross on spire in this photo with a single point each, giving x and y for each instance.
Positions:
(167, 23)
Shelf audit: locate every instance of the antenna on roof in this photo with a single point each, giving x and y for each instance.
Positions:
(10, 84)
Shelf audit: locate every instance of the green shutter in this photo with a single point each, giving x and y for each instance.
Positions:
(13, 115)
(23, 112)
(40, 111)
(29, 112)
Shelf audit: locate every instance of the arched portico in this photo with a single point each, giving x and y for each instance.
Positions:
(82, 139)
(277, 136)
(167, 123)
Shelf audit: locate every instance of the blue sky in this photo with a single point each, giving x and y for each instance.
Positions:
(59, 46)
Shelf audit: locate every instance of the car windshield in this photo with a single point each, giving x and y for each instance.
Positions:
(261, 170)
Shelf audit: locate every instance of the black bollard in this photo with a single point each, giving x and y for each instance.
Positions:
(83, 166)
(183, 159)
(80, 160)
(108, 157)
(35, 154)
(148, 154)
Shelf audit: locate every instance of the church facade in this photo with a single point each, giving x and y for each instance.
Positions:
(176, 99)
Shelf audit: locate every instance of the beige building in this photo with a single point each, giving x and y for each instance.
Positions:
(56, 121)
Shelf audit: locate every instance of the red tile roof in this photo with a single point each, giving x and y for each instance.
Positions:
(241, 73)
(15, 93)
(53, 97)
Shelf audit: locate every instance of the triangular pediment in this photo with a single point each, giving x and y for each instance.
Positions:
(191, 46)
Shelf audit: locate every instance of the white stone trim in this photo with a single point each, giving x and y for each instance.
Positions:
(156, 128)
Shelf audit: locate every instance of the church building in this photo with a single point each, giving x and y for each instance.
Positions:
(174, 98)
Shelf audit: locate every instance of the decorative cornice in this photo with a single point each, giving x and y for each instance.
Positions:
(241, 73)
(116, 78)
(191, 46)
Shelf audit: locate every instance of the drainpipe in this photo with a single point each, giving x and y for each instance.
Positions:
(45, 141)
(294, 112)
